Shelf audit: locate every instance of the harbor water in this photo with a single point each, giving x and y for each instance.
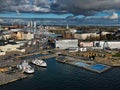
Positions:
(59, 76)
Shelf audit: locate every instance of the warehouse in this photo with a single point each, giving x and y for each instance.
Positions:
(107, 44)
(66, 44)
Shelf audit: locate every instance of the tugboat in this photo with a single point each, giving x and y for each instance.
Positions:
(26, 67)
(39, 62)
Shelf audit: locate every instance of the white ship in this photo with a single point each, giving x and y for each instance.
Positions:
(40, 63)
(26, 67)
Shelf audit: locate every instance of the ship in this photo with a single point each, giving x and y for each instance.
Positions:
(39, 62)
(26, 67)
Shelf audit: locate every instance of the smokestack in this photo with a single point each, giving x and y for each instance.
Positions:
(31, 24)
(34, 24)
(28, 24)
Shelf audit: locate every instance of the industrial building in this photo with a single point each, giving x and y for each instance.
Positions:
(107, 44)
(67, 43)
(101, 44)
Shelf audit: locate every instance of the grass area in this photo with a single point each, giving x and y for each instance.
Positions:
(116, 55)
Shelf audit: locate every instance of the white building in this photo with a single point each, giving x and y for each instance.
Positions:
(82, 49)
(65, 44)
(107, 44)
(84, 36)
(9, 47)
(27, 36)
(73, 30)
(2, 53)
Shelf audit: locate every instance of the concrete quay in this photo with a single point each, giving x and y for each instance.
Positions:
(88, 65)
(9, 78)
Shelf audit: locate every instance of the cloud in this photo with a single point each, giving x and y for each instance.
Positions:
(25, 5)
(30, 8)
(87, 7)
(84, 7)
(113, 16)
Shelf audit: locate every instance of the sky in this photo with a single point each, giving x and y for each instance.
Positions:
(35, 15)
(63, 8)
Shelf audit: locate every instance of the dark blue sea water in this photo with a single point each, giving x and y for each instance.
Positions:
(58, 76)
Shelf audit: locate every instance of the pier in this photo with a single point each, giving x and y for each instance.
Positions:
(48, 56)
(41, 57)
(88, 65)
(9, 78)
(30, 54)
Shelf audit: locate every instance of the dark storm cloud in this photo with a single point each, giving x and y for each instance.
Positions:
(85, 7)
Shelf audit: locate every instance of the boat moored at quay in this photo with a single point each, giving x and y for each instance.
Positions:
(39, 62)
(26, 67)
